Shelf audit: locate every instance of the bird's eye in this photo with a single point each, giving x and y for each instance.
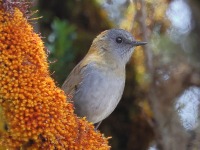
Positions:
(119, 40)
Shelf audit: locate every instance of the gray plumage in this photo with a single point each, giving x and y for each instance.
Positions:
(96, 84)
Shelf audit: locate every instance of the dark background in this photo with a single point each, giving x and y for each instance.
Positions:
(68, 28)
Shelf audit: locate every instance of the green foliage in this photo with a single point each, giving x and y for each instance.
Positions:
(60, 45)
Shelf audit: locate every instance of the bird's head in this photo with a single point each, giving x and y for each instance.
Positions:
(117, 43)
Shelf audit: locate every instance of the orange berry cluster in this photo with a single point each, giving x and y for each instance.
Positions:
(34, 112)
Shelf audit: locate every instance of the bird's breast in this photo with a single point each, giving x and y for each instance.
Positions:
(99, 92)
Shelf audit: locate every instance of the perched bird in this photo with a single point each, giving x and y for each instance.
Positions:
(96, 84)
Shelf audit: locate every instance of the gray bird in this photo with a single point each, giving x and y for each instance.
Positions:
(96, 84)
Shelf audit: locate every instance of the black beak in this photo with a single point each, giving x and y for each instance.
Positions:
(138, 43)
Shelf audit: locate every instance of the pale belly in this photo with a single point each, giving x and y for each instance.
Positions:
(98, 95)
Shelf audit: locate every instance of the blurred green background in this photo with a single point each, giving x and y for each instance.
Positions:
(69, 28)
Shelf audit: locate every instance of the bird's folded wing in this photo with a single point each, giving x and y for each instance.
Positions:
(72, 82)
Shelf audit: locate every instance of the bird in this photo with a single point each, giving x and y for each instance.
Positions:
(96, 84)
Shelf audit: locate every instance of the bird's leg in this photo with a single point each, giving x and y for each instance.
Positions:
(97, 125)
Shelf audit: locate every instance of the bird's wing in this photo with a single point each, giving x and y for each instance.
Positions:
(73, 80)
